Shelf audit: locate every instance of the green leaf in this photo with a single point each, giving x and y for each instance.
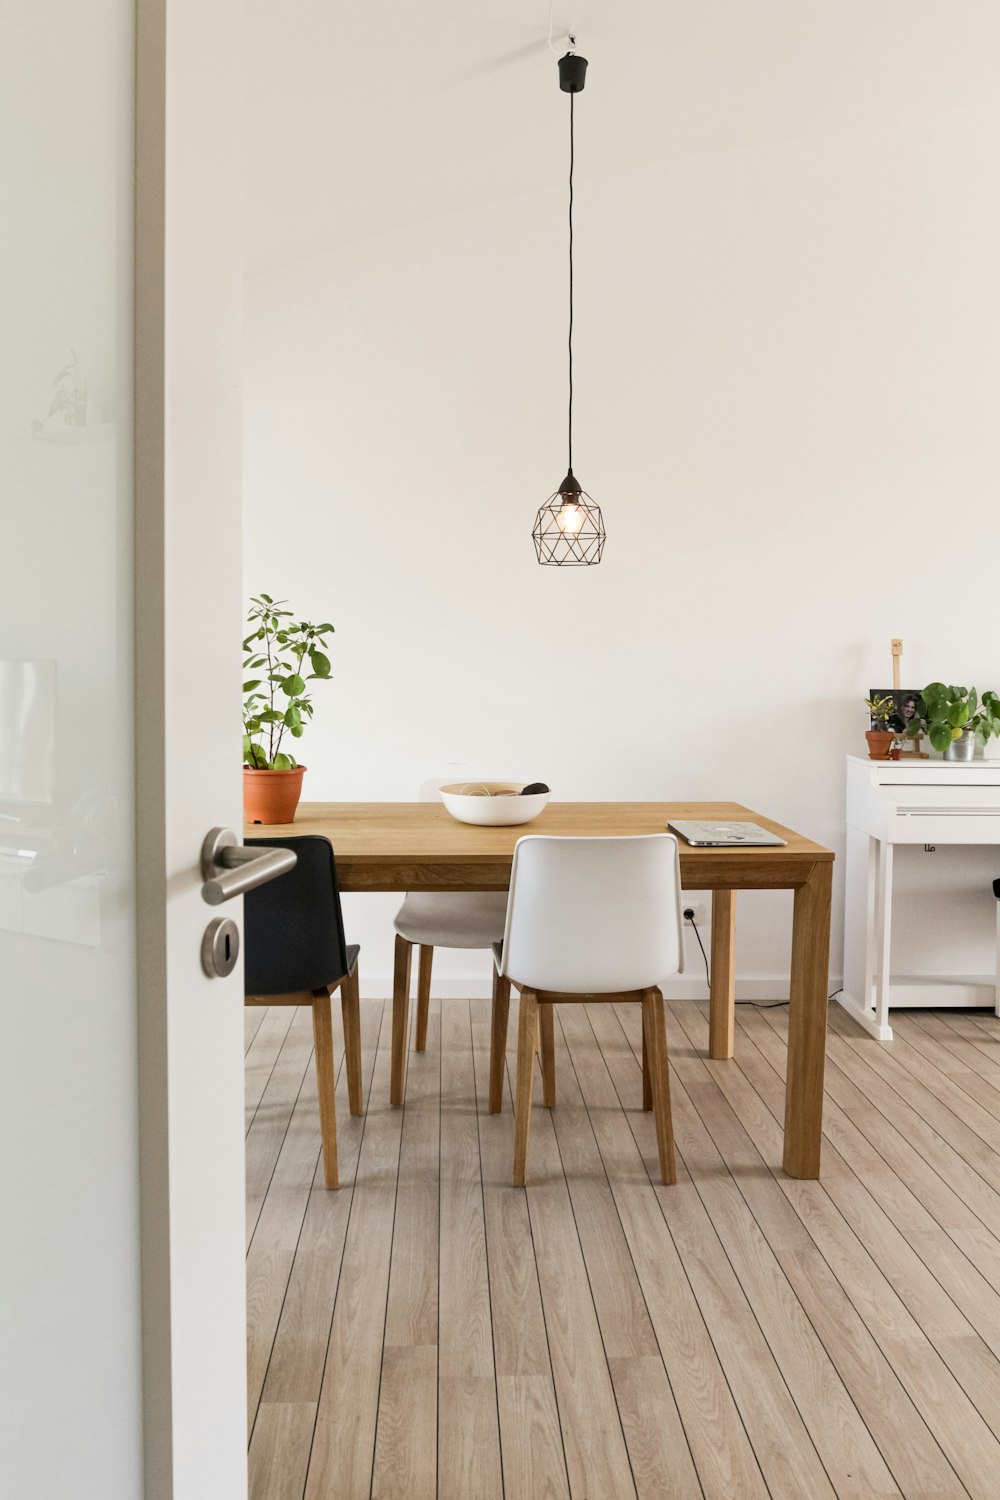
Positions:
(293, 685)
(292, 717)
(320, 664)
(249, 686)
(283, 762)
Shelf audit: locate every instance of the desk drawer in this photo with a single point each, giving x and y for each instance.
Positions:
(943, 798)
(936, 825)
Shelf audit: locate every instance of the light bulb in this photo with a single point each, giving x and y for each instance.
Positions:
(570, 516)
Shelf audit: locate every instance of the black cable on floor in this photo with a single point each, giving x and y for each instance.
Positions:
(759, 1004)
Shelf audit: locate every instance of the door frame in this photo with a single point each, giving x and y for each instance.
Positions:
(188, 588)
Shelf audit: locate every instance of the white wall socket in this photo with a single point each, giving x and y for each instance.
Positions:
(698, 907)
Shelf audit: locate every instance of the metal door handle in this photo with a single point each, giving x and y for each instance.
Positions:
(229, 869)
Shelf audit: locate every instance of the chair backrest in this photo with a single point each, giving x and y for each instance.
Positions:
(593, 915)
(293, 926)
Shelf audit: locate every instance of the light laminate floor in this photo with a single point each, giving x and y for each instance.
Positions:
(431, 1331)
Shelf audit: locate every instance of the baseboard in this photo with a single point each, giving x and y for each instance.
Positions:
(681, 987)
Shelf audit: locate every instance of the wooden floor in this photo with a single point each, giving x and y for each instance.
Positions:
(429, 1330)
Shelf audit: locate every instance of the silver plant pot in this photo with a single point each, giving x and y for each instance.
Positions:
(962, 749)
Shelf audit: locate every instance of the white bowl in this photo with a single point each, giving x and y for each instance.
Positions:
(483, 803)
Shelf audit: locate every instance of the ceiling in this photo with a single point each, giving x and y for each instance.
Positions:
(366, 116)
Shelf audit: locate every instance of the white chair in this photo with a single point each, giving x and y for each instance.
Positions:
(588, 919)
(429, 920)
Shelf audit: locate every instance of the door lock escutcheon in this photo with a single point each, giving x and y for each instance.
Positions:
(220, 947)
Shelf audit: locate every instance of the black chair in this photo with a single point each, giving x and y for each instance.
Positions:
(296, 954)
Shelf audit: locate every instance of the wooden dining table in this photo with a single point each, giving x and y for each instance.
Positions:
(419, 846)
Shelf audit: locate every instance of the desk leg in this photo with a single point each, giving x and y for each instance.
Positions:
(807, 1023)
(883, 932)
(721, 1012)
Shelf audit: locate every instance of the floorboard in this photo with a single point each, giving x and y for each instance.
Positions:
(430, 1331)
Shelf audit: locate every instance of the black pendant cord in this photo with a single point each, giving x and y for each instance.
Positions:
(571, 283)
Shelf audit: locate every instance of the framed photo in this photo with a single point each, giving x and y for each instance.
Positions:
(907, 701)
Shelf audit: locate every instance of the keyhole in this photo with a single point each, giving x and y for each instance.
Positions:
(228, 942)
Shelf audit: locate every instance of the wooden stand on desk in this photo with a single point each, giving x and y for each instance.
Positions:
(897, 656)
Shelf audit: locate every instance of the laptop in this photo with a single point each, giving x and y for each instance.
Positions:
(724, 835)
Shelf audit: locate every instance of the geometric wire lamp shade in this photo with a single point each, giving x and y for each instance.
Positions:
(569, 530)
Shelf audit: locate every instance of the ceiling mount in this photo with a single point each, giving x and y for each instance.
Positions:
(572, 72)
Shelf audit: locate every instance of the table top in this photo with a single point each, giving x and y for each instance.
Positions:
(397, 846)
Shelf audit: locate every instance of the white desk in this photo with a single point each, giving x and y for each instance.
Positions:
(907, 802)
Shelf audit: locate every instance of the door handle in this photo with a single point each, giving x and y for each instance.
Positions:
(229, 869)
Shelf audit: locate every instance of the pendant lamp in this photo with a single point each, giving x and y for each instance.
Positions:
(569, 530)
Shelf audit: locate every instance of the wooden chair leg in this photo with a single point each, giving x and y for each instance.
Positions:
(647, 1086)
(325, 1082)
(350, 1009)
(526, 1040)
(655, 1028)
(546, 1027)
(498, 1040)
(423, 995)
(400, 1018)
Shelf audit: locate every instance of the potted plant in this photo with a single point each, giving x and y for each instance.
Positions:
(880, 736)
(277, 704)
(954, 718)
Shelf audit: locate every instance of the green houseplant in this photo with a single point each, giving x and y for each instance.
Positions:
(954, 718)
(880, 736)
(281, 655)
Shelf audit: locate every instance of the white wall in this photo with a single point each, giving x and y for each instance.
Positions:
(788, 359)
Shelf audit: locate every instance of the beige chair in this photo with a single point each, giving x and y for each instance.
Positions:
(429, 920)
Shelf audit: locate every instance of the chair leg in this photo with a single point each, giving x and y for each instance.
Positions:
(526, 1040)
(323, 1040)
(546, 1029)
(498, 1040)
(400, 1018)
(423, 995)
(655, 1027)
(647, 1087)
(350, 1009)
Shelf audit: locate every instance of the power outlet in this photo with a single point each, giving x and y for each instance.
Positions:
(695, 911)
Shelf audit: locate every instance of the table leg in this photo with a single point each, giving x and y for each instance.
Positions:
(807, 1011)
(721, 1013)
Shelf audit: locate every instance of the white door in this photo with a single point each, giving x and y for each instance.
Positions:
(121, 1159)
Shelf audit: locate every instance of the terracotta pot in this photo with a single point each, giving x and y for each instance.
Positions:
(879, 744)
(271, 796)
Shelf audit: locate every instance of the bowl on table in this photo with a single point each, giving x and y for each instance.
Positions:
(493, 804)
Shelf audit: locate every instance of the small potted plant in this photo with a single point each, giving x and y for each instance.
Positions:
(277, 703)
(954, 718)
(881, 735)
